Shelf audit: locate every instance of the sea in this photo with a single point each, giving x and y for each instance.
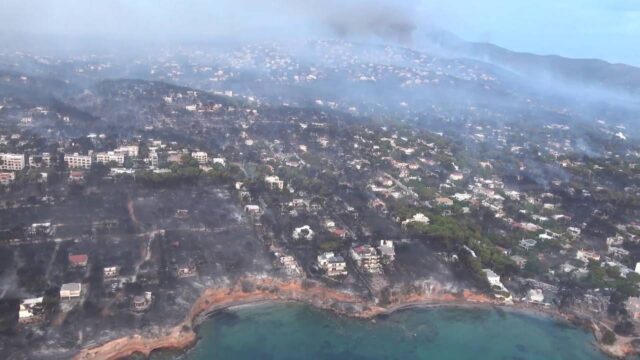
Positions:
(296, 331)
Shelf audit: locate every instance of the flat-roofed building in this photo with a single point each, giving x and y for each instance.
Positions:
(111, 156)
(12, 162)
(200, 156)
(40, 161)
(70, 290)
(129, 150)
(76, 160)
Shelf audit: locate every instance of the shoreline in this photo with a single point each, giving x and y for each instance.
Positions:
(273, 291)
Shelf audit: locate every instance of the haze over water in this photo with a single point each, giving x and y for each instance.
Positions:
(290, 331)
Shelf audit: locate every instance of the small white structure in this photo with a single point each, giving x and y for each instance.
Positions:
(303, 232)
(274, 183)
(200, 156)
(110, 272)
(493, 278)
(417, 218)
(535, 296)
(70, 290)
(219, 161)
(586, 255)
(252, 209)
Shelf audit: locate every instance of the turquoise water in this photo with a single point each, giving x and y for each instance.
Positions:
(292, 331)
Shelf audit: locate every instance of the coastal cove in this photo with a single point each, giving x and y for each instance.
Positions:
(292, 330)
(347, 308)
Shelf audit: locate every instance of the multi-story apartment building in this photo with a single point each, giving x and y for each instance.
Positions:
(200, 156)
(40, 161)
(111, 156)
(128, 150)
(78, 161)
(12, 162)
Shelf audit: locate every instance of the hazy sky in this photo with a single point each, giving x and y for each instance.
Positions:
(607, 29)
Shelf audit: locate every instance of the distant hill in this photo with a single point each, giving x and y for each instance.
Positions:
(589, 72)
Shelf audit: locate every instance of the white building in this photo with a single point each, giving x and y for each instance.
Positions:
(219, 160)
(70, 290)
(128, 150)
(110, 271)
(78, 161)
(111, 156)
(493, 278)
(333, 265)
(12, 162)
(27, 309)
(535, 296)
(586, 255)
(200, 156)
(417, 218)
(274, 182)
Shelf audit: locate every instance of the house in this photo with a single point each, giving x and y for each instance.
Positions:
(219, 161)
(75, 161)
(39, 229)
(586, 255)
(7, 178)
(70, 290)
(252, 209)
(12, 162)
(76, 176)
(493, 278)
(78, 260)
(128, 150)
(274, 183)
(142, 303)
(29, 310)
(110, 272)
(200, 156)
(387, 251)
(535, 296)
(419, 218)
(289, 264)
(109, 157)
(366, 258)
(462, 196)
(527, 243)
(333, 265)
(444, 201)
(456, 176)
(338, 232)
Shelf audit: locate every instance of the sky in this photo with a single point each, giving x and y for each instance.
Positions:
(605, 29)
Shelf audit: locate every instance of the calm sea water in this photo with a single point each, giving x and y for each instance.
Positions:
(291, 331)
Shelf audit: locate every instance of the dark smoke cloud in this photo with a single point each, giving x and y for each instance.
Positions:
(196, 20)
(385, 21)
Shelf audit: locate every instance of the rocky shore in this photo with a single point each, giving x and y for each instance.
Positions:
(258, 290)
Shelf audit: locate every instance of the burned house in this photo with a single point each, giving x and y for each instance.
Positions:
(366, 258)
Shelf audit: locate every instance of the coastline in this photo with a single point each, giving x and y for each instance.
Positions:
(269, 290)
